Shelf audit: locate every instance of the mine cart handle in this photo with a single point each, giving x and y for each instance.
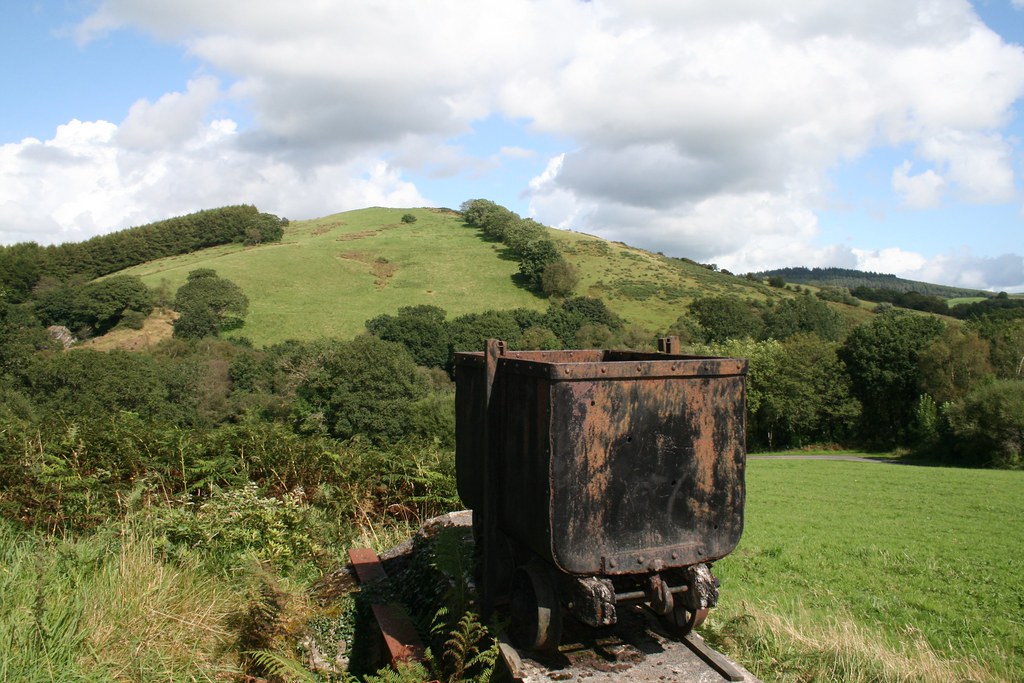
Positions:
(669, 345)
(493, 350)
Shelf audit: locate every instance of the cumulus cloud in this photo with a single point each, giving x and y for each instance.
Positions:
(978, 164)
(173, 120)
(920, 191)
(695, 128)
(95, 176)
(958, 268)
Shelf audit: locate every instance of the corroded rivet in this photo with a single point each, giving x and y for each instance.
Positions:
(602, 371)
(675, 556)
(640, 559)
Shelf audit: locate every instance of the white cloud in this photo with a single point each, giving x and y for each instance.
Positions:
(173, 120)
(890, 260)
(978, 164)
(920, 191)
(86, 180)
(959, 268)
(700, 129)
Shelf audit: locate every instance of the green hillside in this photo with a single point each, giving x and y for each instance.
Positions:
(329, 275)
(851, 279)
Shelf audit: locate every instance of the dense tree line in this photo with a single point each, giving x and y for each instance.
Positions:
(811, 380)
(904, 299)
(24, 266)
(1001, 306)
(902, 379)
(851, 279)
(720, 318)
(541, 267)
(575, 322)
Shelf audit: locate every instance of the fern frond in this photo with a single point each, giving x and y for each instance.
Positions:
(470, 649)
(407, 672)
(282, 666)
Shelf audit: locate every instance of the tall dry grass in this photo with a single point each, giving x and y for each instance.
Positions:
(779, 649)
(109, 610)
(148, 620)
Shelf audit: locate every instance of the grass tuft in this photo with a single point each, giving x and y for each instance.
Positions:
(784, 650)
(100, 610)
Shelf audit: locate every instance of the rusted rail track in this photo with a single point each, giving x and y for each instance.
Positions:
(401, 640)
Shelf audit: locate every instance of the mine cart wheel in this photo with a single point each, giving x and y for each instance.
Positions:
(536, 613)
(686, 620)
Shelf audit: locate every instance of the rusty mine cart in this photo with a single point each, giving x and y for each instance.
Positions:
(599, 478)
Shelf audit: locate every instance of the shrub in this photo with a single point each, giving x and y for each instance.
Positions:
(134, 320)
(989, 424)
(208, 305)
(559, 278)
(235, 526)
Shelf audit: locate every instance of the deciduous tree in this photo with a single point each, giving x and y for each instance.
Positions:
(422, 330)
(208, 305)
(559, 278)
(365, 386)
(882, 360)
(802, 314)
(989, 424)
(953, 364)
(726, 317)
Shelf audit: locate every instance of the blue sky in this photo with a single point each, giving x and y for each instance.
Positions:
(879, 136)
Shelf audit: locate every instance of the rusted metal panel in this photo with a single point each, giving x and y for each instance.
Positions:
(610, 462)
(647, 474)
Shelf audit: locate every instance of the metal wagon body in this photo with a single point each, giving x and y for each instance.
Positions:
(602, 476)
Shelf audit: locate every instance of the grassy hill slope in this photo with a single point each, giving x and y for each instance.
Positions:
(329, 275)
(845, 277)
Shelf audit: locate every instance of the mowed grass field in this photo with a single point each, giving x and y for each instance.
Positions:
(329, 275)
(852, 571)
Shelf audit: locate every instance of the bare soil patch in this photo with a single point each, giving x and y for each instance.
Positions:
(157, 327)
(357, 235)
(381, 269)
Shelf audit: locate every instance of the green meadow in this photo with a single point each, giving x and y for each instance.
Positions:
(329, 275)
(852, 571)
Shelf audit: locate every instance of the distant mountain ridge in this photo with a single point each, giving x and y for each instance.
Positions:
(849, 278)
